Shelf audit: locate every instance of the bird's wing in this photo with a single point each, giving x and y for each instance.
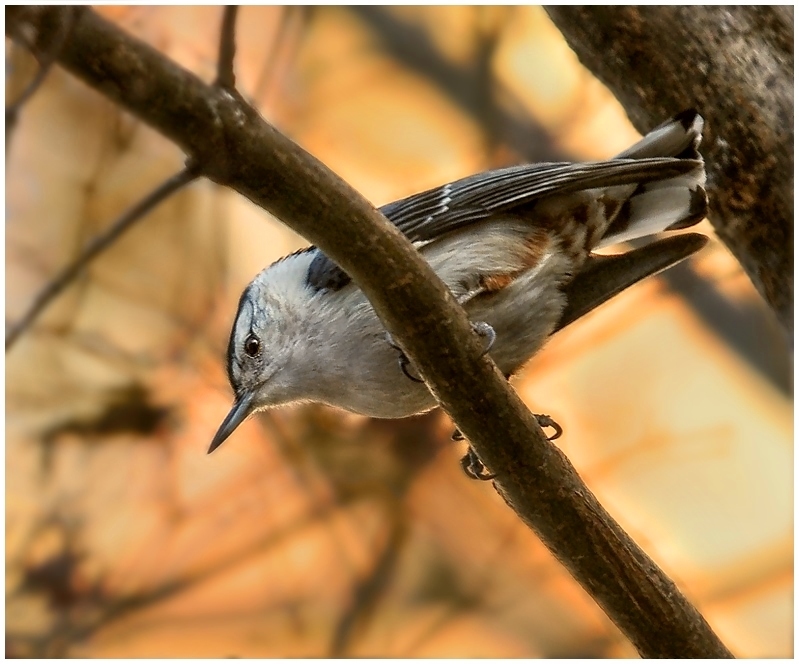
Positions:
(427, 216)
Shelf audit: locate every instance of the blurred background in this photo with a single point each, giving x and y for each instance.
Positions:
(318, 533)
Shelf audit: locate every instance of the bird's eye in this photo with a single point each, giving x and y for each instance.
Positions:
(252, 345)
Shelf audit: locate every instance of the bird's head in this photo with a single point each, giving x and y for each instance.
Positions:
(261, 347)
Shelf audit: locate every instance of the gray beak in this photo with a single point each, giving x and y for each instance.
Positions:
(241, 409)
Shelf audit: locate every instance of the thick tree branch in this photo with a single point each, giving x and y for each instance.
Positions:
(225, 79)
(734, 64)
(234, 147)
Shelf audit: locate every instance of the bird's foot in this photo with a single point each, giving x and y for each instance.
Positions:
(482, 329)
(474, 467)
(545, 421)
(403, 361)
(487, 333)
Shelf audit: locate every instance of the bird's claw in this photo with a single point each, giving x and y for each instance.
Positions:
(481, 328)
(402, 360)
(475, 468)
(545, 421)
(486, 332)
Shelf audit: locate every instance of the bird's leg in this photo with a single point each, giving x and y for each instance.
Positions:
(482, 329)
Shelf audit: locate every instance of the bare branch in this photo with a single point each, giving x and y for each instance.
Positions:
(735, 64)
(225, 76)
(46, 61)
(99, 244)
(235, 147)
(293, 21)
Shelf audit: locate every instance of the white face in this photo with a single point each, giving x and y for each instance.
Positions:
(269, 343)
(246, 355)
(253, 351)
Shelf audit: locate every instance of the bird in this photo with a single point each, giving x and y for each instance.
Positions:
(515, 246)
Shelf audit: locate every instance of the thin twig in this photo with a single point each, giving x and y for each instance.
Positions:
(292, 20)
(46, 61)
(95, 248)
(225, 76)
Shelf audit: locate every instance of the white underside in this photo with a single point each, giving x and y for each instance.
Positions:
(370, 381)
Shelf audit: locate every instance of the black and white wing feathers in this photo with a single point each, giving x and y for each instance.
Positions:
(661, 158)
(429, 215)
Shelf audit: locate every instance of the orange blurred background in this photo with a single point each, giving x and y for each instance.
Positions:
(317, 533)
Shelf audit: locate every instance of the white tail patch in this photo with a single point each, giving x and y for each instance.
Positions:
(669, 139)
(673, 203)
(652, 212)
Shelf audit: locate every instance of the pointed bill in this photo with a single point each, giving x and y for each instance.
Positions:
(241, 409)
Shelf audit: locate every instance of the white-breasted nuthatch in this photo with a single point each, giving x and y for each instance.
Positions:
(514, 247)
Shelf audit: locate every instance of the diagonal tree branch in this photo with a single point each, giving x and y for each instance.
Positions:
(96, 247)
(736, 65)
(46, 61)
(225, 79)
(233, 146)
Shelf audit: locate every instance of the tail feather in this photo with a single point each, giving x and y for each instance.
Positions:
(673, 138)
(670, 204)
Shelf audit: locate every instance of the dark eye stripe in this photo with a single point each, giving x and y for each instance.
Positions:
(231, 346)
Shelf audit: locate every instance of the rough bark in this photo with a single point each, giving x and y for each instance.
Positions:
(735, 65)
(231, 144)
